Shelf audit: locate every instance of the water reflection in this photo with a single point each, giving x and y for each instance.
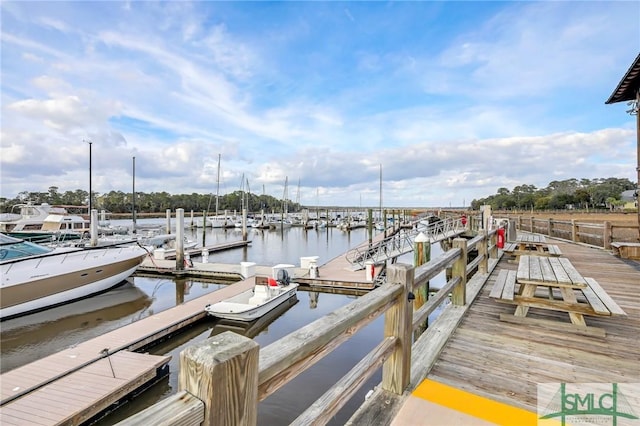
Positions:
(29, 338)
(34, 336)
(313, 299)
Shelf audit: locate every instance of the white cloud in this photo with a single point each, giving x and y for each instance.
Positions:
(310, 93)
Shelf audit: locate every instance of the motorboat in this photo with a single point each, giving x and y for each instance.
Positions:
(28, 216)
(253, 328)
(266, 295)
(166, 241)
(280, 223)
(45, 223)
(56, 227)
(221, 221)
(36, 277)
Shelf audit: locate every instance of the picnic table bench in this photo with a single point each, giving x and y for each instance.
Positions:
(553, 284)
(531, 244)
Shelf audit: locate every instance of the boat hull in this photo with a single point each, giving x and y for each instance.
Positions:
(239, 309)
(42, 282)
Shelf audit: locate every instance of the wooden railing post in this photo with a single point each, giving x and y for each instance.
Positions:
(396, 371)
(459, 269)
(550, 227)
(606, 235)
(574, 231)
(519, 223)
(493, 243)
(483, 267)
(422, 255)
(531, 223)
(222, 371)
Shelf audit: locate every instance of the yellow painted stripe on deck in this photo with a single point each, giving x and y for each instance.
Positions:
(476, 406)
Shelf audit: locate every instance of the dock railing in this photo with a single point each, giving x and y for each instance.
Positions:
(401, 242)
(222, 379)
(595, 234)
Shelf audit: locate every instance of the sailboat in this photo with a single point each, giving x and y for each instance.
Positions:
(283, 221)
(219, 220)
(381, 225)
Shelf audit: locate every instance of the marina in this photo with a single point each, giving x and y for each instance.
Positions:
(28, 339)
(176, 320)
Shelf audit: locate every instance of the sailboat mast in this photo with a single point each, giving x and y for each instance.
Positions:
(133, 195)
(285, 195)
(218, 185)
(381, 193)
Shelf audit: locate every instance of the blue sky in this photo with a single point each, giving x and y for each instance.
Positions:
(452, 99)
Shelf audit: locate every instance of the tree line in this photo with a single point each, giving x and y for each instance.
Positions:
(558, 195)
(154, 202)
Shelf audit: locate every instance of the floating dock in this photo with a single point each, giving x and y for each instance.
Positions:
(94, 375)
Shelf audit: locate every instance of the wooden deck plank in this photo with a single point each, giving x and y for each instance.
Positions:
(133, 336)
(505, 361)
(105, 389)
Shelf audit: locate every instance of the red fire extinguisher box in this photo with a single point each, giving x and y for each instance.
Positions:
(500, 234)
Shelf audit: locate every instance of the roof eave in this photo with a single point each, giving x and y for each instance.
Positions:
(628, 86)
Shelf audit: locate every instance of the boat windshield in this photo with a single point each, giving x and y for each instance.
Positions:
(14, 248)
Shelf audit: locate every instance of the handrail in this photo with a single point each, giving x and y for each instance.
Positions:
(597, 234)
(209, 369)
(402, 242)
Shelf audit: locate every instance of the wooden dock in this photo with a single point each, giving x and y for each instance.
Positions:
(503, 363)
(171, 254)
(72, 393)
(57, 375)
(89, 381)
(337, 273)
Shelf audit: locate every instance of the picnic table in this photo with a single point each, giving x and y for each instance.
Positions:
(552, 283)
(531, 244)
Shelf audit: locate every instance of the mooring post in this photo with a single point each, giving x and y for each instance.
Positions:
(370, 226)
(396, 370)
(459, 269)
(93, 231)
(179, 239)
(222, 372)
(168, 223)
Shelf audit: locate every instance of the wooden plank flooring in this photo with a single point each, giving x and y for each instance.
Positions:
(79, 378)
(82, 394)
(129, 337)
(505, 361)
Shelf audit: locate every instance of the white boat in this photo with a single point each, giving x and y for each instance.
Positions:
(153, 237)
(266, 295)
(27, 217)
(280, 224)
(36, 277)
(251, 329)
(221, 221)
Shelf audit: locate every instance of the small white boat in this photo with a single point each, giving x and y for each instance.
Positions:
(266, 295)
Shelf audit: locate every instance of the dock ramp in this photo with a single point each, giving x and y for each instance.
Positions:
(402, 242)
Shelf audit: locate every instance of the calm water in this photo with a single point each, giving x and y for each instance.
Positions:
(32, 337)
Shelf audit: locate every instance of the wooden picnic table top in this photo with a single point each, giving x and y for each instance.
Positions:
(549, 271)
(531, 238)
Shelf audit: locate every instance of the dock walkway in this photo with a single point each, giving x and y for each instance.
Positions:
(489, 370)
(29, 384)
(92, 375)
